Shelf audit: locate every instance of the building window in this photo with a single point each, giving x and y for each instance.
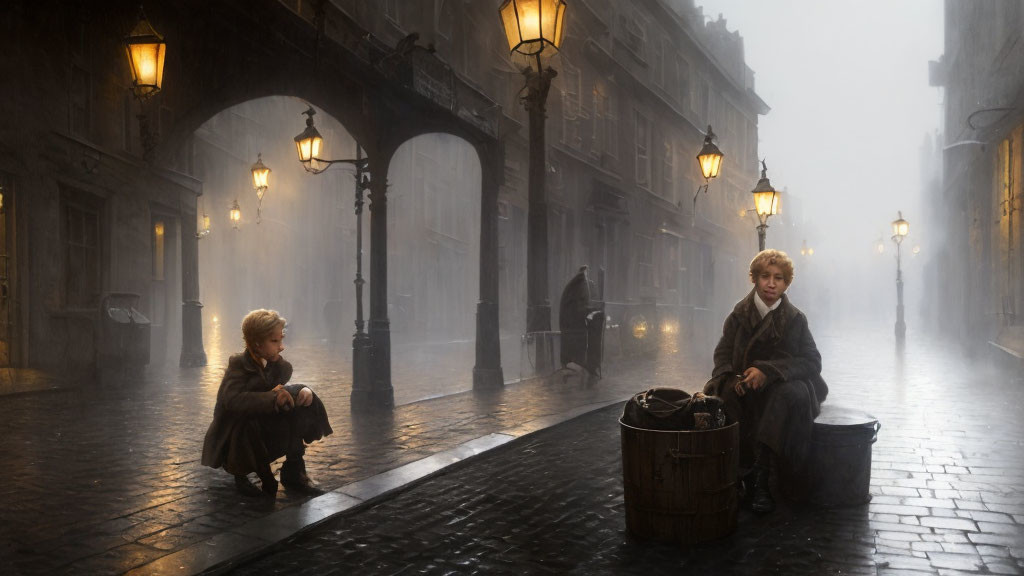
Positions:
(604, 138)
(668, 161)
(645, 260)
(634, 34)
(683, 81)
(81, 233)
(572, 110)
(659, 64)
(642, 135)
(159, 233)
(79, 102)
(444, 18)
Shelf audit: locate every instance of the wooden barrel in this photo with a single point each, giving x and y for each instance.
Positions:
(680, 487)
(839, 462)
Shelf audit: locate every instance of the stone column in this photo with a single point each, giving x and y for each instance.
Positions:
(192, 352)
(487, 372)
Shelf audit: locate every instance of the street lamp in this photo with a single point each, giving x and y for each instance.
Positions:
(766, 203)
(900, 228)
(916, 250)
(146, 50)
(879, 246)
(710, 160)
(533, 27)
(260, 182)
(235, 214)
(309, 144)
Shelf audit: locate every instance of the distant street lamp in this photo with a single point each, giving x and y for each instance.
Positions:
(260, 182)
(804, 250)
(916, 250)
(879, 246)
(710, 160)
(900, 228)
(766, 203)
(146, 50)
(309, 145)
(533, 27)
(235, 214)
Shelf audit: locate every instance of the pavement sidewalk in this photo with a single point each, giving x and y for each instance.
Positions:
(106, 480)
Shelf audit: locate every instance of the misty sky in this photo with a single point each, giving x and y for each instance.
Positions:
(847, 83)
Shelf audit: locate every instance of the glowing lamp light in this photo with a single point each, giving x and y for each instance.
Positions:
(669, 327)
(639, 326)
(900, 228)
(158, 229)
(146, 50)
(1, 199)
(309, 144)
(260, 177)
(532, 26)
(236, 214)
(766, 198)
(810, 251)
(880, 246)
(216, 320)
(916, 250)
(710, 157)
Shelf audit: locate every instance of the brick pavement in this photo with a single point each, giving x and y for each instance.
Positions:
(947, 485)
(102, 479)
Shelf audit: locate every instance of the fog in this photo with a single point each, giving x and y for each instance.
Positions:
(296, 252)
(851, 110)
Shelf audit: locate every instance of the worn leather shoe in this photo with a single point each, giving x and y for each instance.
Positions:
(293, 476)
(245, 487)
(761, 500)
(268, 485)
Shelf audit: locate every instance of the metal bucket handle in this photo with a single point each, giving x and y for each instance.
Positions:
(878, 426)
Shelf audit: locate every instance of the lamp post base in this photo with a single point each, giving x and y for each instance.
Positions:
(364, 395)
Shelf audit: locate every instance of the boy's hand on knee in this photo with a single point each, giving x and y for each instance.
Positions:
(305, 397)
(283, 402)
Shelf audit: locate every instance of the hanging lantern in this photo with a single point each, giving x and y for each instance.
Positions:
(236, 214)
(146, 50)
(710, 157)
(260, 177)
(532, 26)
(309, 143)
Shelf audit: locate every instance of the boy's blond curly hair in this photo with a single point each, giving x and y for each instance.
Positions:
(259, 325)
(768, 257)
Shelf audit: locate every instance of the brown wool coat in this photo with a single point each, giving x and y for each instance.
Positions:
(793, 354)
(245, 412)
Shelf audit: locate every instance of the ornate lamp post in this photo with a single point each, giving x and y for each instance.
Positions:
(766, 203)
(260, 183)
(533, 27)
(900, 228)
(309, 144)
(710, 160)
(146, 50)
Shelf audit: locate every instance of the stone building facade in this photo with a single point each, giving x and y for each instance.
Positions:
(981, 262)
(85, 215)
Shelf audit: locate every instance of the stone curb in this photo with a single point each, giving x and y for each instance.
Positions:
(236, 545)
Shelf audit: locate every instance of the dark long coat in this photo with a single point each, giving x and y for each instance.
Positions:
(572, 320)
(781, 346)
(248, 432)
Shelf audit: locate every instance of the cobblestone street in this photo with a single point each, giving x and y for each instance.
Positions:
(103, 479)
(947, 485)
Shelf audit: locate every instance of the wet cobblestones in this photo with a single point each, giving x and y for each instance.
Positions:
(101, 479)
(947, 485)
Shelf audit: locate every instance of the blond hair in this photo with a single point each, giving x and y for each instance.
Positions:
(259, 325)
(766, 258)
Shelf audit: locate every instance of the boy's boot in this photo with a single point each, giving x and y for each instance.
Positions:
(268, 484)
(245, 487)
(761, 499)
(293, 476)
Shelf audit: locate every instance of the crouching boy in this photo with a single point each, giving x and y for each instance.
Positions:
(258, 419)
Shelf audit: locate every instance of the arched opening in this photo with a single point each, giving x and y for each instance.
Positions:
(299, 257)
(434, 195)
